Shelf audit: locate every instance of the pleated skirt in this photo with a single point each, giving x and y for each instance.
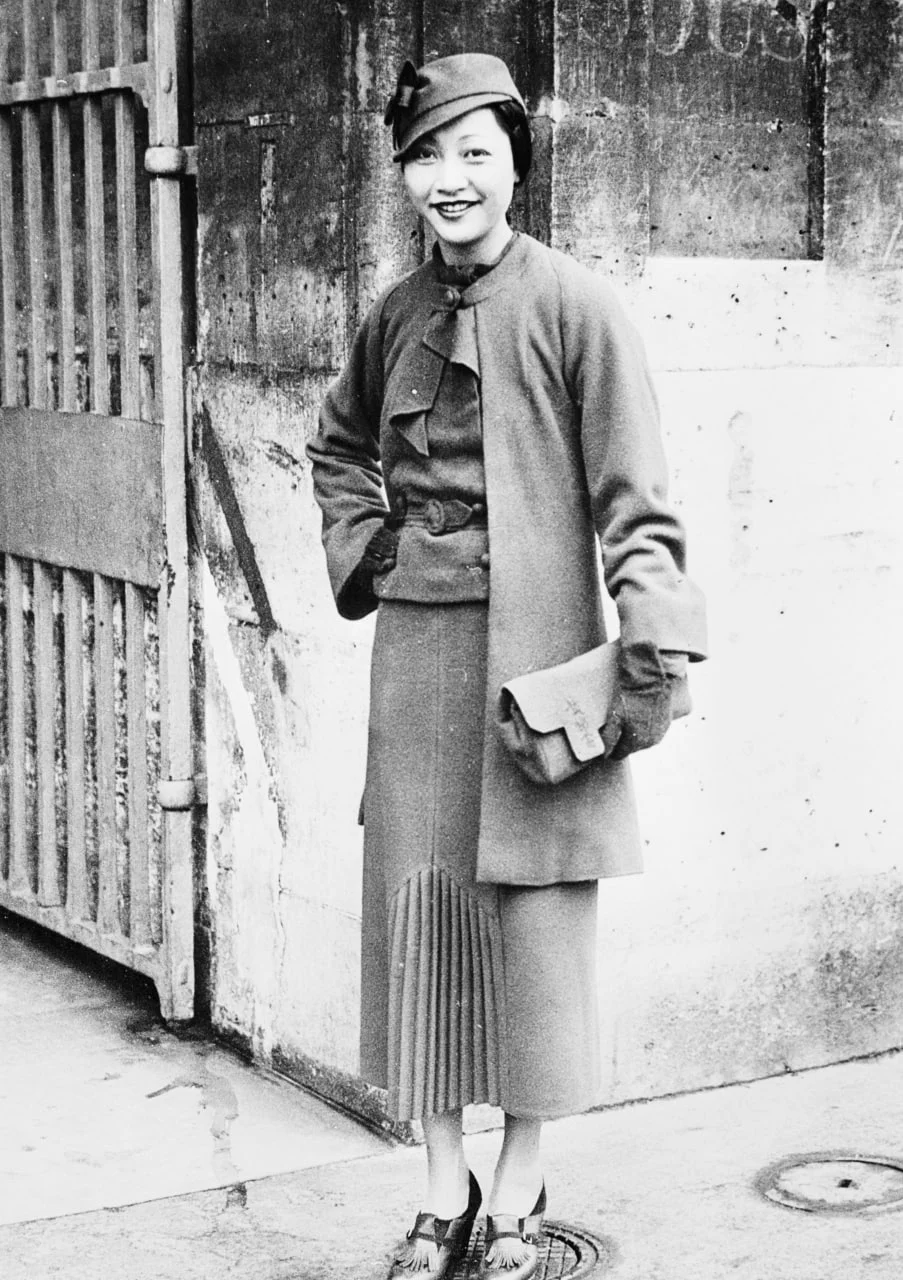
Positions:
(470, 992)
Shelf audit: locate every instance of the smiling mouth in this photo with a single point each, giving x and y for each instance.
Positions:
(451, 208)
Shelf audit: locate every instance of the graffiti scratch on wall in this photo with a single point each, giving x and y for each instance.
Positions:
(734, 28)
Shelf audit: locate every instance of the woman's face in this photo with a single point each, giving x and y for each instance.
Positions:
(460, 179)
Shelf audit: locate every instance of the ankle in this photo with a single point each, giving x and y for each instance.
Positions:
(515, 1191)
(448, 1189)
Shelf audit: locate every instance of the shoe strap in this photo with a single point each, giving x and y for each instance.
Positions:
(428, 1227)
(506, 1226)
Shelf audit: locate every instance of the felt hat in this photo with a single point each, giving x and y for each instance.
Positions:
(430, 96)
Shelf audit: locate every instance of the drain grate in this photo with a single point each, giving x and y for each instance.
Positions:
(834, 1182)
(565, 1253)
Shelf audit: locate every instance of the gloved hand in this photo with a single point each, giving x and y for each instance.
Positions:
(379, 556)
(641, 712)
(380, 552)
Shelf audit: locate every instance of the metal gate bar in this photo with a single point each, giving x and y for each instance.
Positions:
(95, 748)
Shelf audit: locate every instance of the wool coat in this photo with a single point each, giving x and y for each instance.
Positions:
(572, 454)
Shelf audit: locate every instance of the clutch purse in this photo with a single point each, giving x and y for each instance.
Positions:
(551, 720)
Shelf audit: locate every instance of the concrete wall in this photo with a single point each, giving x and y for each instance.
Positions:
(765, 933)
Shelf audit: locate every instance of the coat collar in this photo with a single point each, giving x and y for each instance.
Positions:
(445, 297)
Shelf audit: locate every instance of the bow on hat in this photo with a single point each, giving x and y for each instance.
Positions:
(402, 100)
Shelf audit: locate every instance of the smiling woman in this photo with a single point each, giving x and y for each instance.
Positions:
(460, 179)
(496, 403)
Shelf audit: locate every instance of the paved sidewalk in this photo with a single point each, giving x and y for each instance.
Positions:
(101, 1106)
(307, 1195)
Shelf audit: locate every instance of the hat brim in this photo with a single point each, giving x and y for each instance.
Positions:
(444, 113)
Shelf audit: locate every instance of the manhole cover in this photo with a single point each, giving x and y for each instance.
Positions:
(565, 1253)
(834, 1183)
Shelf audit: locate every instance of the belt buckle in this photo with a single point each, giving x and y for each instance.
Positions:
(434, 516)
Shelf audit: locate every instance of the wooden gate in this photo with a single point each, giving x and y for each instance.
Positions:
(95, 751)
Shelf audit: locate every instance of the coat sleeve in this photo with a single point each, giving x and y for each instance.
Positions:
(642, 539)
(347, 475)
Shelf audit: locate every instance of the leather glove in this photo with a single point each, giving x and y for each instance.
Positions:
(641, 712)
(378, 557)
(380, 552)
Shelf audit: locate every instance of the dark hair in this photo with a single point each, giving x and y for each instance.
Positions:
(513, 119)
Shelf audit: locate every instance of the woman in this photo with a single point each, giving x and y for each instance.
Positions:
(496, 403)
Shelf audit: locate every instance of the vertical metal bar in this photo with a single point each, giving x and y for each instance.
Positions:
(8, 337)
(126, 220)
(34, 221)
(104, 676)
(15, 648)
(48, 879)
(94, 221)
(139, 889)
(76, 876)
(62, 190)
(166, 21)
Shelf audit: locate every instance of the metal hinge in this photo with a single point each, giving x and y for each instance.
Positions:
(171, 162)
(178, 794)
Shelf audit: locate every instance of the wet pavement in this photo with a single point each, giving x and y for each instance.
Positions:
(128, 1152)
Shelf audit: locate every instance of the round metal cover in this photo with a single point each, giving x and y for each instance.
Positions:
(565, 1253)
(835, 1182)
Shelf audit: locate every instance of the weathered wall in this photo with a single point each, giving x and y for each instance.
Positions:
(765, 932)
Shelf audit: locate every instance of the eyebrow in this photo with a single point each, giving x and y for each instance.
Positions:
(430, 139)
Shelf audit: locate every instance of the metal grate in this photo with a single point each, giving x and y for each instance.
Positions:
(565, 1253)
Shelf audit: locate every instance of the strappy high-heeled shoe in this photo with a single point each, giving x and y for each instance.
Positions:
(436, 1245)
(512, 1244)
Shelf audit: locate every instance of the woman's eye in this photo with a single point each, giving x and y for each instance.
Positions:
(476, 153)
(421, 154)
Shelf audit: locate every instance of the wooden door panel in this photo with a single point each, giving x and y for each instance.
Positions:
(83, 491)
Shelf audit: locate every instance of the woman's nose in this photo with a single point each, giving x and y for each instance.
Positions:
(451, 176)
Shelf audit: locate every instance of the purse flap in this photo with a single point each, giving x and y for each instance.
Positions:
(574, 697)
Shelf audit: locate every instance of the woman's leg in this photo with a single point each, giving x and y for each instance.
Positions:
(518, 1173)
(448, 1173)
(447, 1197)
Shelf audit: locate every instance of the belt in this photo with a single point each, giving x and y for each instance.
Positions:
(437, 516)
